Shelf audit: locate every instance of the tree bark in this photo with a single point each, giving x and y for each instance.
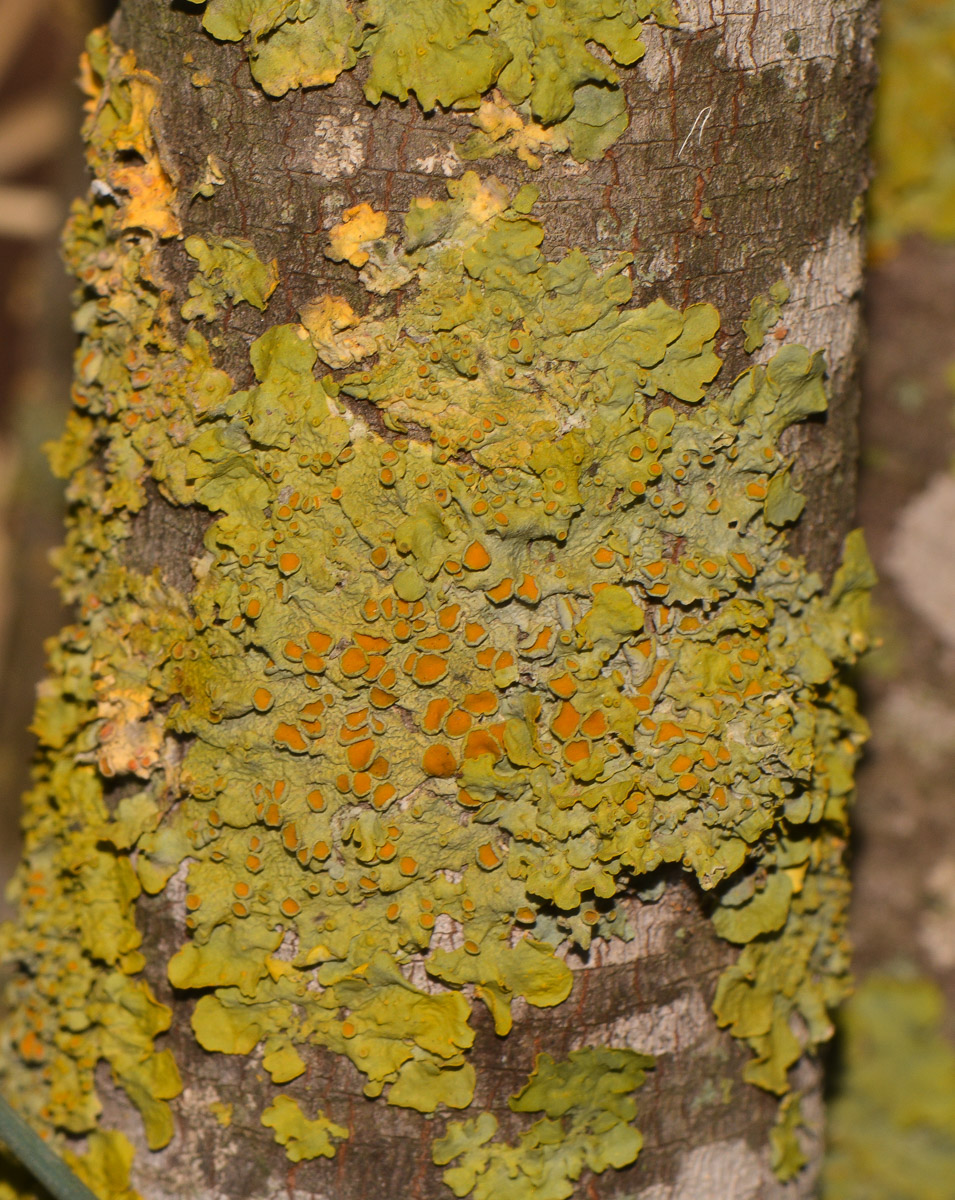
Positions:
(619, 706)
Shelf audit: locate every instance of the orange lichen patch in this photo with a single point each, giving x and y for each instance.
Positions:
(485, 658)
(272, 815)
(687, 782)
(541, 643)
(321, 851)
(503, 591)
(31, 1047)
(193, 901)
(475, 557)
(756, 490)
(449, 615)
(481, 741)
(752, 689)
(681, 763)
(355, 727)
(360, 754)
(652, 682)
(439, 761)
(262, 699)
(655, 569)
(529, 589)
(604, 557)
(290, 837)
(474, 633)
(290, 907)
(435, 713)
(564, 686)
(293, 651)
(435, 641)
(576, 752)
(744, 564)
(288, 735)
(667, 731)
(407, 865)
(372, 644)
(488, 857)
(504, 660)
(289, 563)
(458, 723)
(480, 704)
(376, 664)
(380, 698)
(708, 760)
(354, 662)
(595, 725)
(383, 795)
(566, 723)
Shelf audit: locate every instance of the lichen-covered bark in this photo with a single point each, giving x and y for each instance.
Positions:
(447, 701)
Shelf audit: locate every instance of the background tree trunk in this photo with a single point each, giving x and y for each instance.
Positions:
(743, 166)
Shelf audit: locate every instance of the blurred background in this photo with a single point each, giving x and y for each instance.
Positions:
(892, 1104)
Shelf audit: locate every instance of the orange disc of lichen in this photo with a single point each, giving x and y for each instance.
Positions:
(438, 760)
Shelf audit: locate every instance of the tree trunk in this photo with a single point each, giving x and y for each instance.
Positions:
(445, 775)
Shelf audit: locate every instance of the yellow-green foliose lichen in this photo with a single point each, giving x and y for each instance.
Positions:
(493, 615)
(550, 61)
(302, 1137)
(587, 1106)
(913, 189)
(229, 269)
(892, 1121)
(788, 1157)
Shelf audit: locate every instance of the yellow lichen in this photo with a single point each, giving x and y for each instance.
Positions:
(442, 679)
(550, 60)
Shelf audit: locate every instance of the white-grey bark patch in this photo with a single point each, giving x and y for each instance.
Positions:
(937, 932)
(672, 1028)
(788, 34)
(339, 149)
(921, 556)
(718, 1171)
(821, 311)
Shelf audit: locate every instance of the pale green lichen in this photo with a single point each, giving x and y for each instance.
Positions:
(913, 188)
(229, 269)
(302, 1137)
(105, 1167)
(550, 58)
(892, 1122)
(448, 678)
(787, 1154)
(764, 313)
(587, 1107)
